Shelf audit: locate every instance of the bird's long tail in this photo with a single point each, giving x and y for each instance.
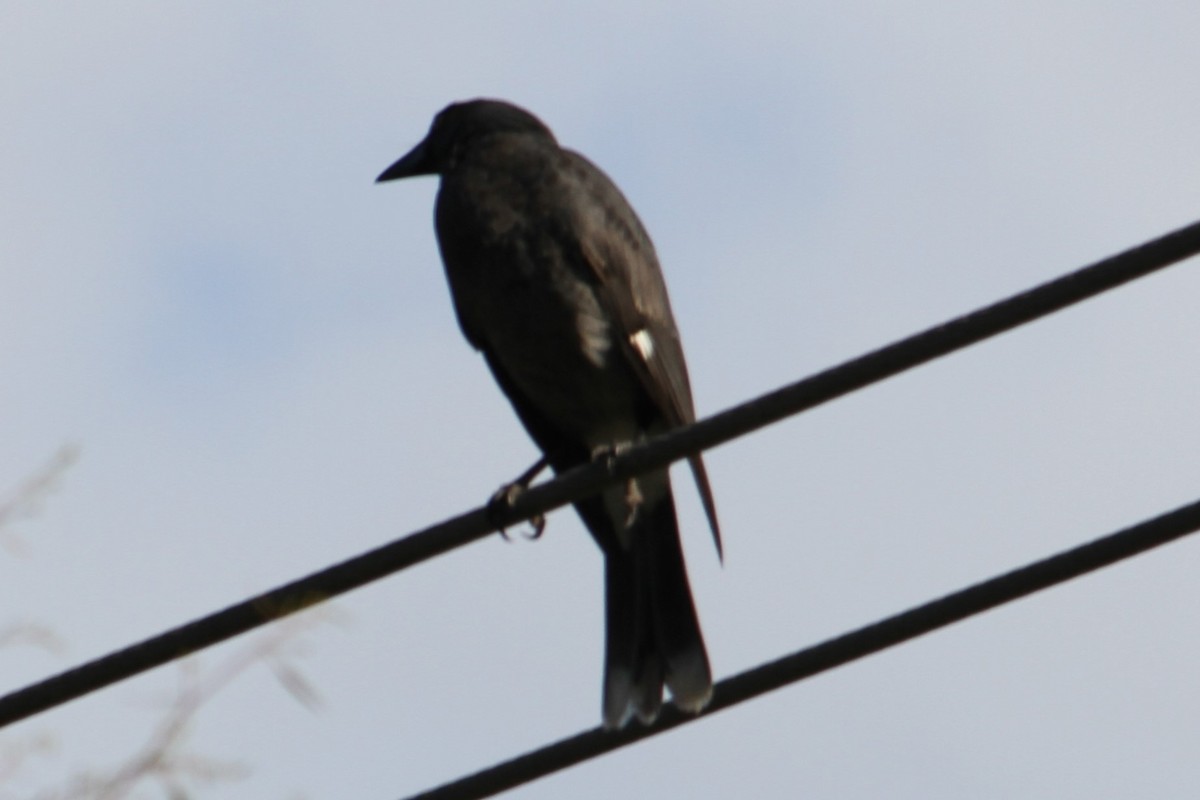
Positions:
(652, 632)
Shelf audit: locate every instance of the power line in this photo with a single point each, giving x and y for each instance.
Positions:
(581, 482)
(835, 652)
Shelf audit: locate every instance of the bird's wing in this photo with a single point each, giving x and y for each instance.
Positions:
(617, 250)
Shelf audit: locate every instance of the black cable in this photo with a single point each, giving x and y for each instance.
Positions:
(725, 426)
(837, 651)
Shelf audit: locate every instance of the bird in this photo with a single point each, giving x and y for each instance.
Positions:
(556, 282)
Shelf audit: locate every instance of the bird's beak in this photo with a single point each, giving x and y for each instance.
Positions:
(415, 162)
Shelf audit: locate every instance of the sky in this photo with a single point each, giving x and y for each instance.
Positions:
(251, 347)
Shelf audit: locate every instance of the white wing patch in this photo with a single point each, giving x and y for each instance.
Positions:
(643, 343)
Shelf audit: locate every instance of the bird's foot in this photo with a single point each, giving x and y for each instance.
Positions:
(506, 496)
(607, 455)
(503, 500)
(633, 501)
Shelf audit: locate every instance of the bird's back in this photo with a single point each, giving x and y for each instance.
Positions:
(537, 245)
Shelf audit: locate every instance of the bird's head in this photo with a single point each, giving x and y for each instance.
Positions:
(455, 129)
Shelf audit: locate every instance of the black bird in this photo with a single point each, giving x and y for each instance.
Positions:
(556, 282)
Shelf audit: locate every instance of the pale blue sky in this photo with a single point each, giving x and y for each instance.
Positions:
(253, 346)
